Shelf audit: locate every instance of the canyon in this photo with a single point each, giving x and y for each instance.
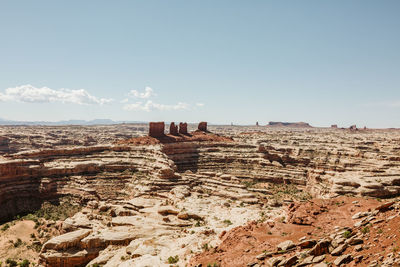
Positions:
(145, 197)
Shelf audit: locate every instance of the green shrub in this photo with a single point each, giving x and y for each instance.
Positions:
(172, 260)
(347, 234)
(365, 230)
(228, 222)
(24, 263)
(11, 262)
(5, 227)
(18, 243)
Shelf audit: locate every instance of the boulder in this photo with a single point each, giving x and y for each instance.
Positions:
(309, 243)
(339, 250)
(117, 236)
(66, 241)
(343, 259)
(285, 245)
(385, 206)
(322, 247)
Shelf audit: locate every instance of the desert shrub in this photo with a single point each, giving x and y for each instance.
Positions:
(5, 227)
(227, 222)
(18, 243)
(54, 212)
(281, 191)
(11, 262)
(365, 230)
(173, 259)
(346, 234)
(24, 263)
(249, 184)
(36, 246)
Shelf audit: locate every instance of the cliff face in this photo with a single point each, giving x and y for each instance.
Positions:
(327, 162)
(335, 162)
(29, 178)
(4, 145)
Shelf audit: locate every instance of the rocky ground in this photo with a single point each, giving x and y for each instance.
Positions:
(342, 231)
(239, 196)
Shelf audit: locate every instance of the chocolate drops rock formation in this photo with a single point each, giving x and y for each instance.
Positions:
(173, 129)
(156, 129)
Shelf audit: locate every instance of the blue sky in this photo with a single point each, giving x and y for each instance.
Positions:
(323, 62)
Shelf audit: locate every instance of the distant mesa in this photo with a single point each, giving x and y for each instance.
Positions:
(289, 124)
(334, 126)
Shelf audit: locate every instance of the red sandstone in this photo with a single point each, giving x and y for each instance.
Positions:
(183, 128)
(203, 126)
(156, 129)
(173, 129)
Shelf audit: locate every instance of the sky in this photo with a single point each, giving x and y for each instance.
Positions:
(322, 62)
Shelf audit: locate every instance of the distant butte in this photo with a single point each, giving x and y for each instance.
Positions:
(289, 124)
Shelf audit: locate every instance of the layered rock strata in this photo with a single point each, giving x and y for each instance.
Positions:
(29, 178)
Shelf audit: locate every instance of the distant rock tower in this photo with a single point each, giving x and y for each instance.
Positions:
(183, 128)
(257, 123)
(156, 129)
(202, 126)
(173, 129)
(353, 127)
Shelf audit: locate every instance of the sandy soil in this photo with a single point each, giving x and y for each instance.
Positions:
(23, 230)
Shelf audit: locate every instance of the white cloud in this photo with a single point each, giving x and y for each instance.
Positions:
(30, 94)
(148, 92)
(150, 105)
(200, 104)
